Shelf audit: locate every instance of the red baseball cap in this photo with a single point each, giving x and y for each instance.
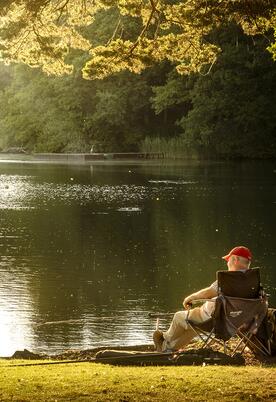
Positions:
(240, 251)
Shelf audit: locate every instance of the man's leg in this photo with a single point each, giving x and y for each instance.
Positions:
(180, 333)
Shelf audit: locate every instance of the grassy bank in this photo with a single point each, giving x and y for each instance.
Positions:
(96, 382)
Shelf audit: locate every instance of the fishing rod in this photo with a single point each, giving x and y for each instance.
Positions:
(168, 314)
(71, 321)
(98, 360)
(50, 363)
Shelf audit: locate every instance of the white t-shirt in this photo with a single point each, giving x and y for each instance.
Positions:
(209, 306)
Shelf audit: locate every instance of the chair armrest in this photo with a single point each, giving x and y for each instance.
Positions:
(199, 301)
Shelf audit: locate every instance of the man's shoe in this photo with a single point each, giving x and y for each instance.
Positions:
(158, 340)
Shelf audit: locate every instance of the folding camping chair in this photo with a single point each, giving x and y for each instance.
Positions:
(240, 309)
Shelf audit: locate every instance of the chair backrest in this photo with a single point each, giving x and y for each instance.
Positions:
(244, 284)
(239, 309)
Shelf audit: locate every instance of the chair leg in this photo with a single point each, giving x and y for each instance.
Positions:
(199, 334)
(269, 347)
(209, 338)
(206, 341)
(238, 345)
(224, 347)
(261, 348)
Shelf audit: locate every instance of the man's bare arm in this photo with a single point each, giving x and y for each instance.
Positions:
(207, 293)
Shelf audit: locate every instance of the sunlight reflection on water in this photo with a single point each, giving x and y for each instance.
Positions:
(21, 192)
(16, 314)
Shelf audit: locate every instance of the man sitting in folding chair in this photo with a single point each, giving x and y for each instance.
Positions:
(183, 327)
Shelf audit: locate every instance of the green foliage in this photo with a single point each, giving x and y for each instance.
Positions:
(174, 92)
(56, 114)
(43, 32)
(69, 114)
(232, 109)
(41, 114)
(122, 113)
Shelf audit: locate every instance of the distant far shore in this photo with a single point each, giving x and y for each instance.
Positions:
(124, 158)
(81, 157)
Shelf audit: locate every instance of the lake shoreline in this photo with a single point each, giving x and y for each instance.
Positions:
(89, 354)
(83, 157)
(119, 158)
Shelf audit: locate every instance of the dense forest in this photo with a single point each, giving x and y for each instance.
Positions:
(228, 111)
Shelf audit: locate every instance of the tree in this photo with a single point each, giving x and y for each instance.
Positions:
(67, 113)
(230, 112)
(41, 114)
(42, 32)
(63, 114)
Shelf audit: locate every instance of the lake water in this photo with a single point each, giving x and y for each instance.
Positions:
(107, 244)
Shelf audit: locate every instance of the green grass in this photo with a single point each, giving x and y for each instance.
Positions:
(97, 382)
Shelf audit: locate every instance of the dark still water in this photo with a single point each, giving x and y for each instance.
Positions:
(103, 245)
